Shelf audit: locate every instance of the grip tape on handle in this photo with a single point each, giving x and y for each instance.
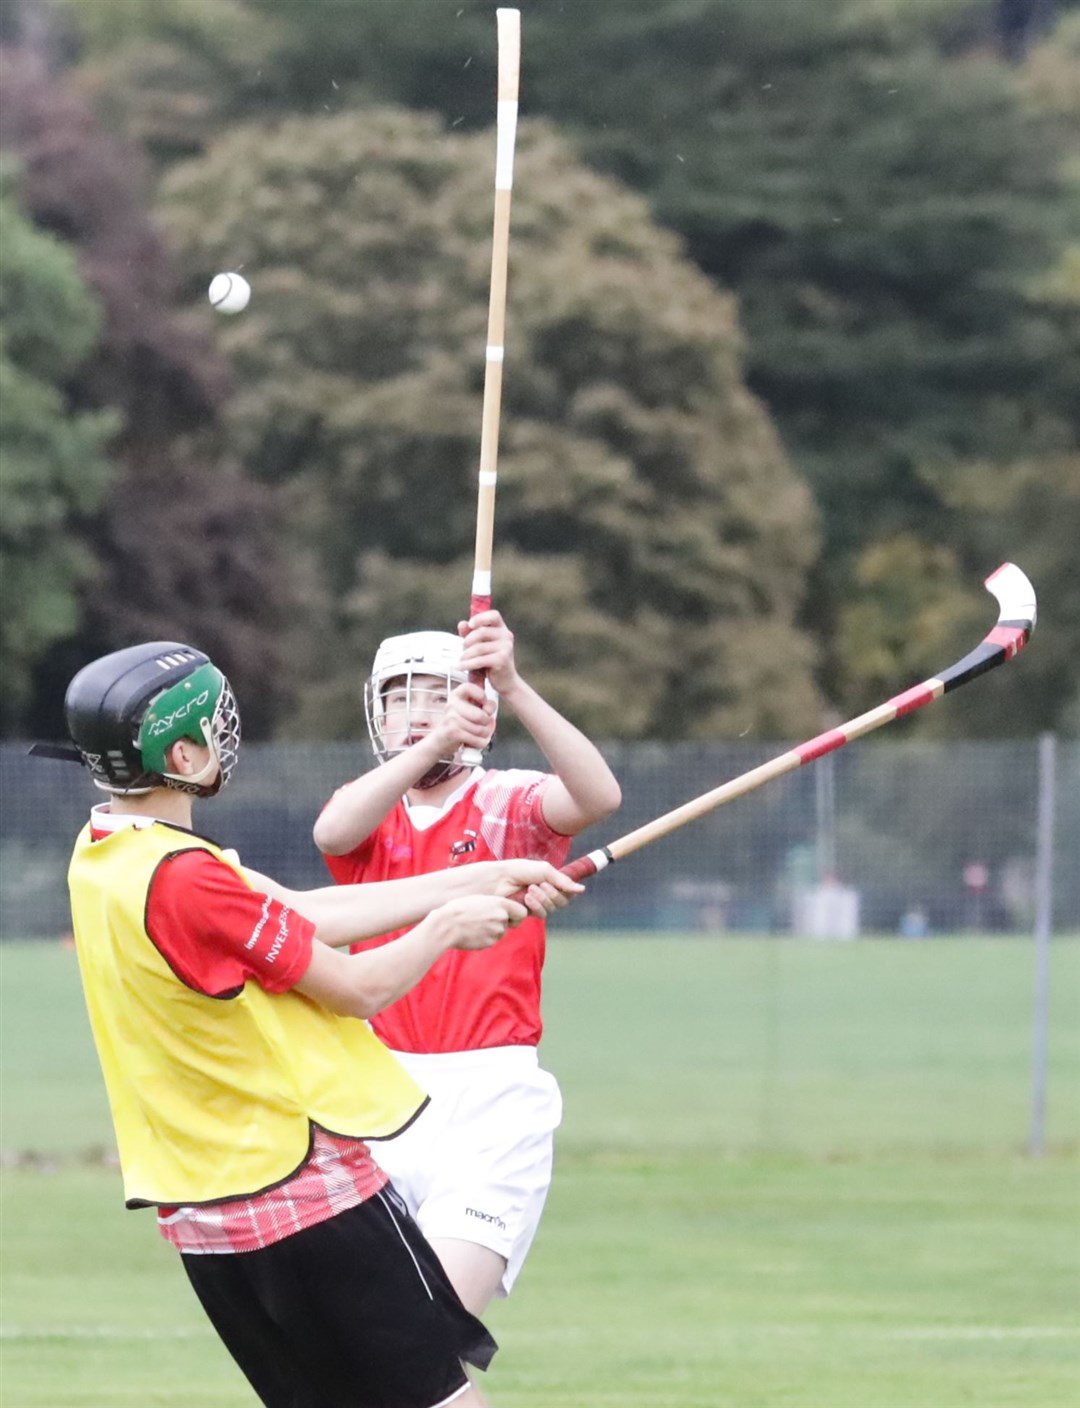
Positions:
(472, 757)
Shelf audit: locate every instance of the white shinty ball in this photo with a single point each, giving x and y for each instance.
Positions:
(229, 293)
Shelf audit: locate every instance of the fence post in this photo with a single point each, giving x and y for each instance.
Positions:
(1044, 916)
(825, 818)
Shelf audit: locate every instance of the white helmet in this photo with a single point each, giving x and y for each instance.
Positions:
(425, 653)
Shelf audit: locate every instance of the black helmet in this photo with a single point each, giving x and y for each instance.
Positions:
(125, 711)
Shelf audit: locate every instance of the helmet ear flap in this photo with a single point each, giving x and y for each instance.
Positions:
(201, 708)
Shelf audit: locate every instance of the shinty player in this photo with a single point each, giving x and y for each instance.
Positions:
(242, 1087)
(475, 1169)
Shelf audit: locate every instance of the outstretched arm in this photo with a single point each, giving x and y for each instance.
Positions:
(361, 984)
(584, 789)
(347, 914)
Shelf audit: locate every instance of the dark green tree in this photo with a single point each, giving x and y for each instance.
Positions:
(54, 470)
(170, 77)
(182, 545)
(1027, 508)
(877, 188)
(883, 210)
(884, 194)
(652, 541)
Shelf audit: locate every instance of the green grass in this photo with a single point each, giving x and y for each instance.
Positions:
(790, 1176)
(822, 1049)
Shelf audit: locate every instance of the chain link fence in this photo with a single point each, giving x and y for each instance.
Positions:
(905, 838)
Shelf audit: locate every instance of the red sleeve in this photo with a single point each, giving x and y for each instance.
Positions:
(350, 868)
(216, 933)
(512, 817)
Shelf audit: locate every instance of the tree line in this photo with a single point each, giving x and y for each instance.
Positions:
(793, 349)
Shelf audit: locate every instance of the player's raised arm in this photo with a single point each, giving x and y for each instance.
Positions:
(357, 808)
(583, 789)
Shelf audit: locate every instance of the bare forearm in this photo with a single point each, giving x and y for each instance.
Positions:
(353, 812)
(347, 914)
(587, 789)
(359, 985)
(382, 975)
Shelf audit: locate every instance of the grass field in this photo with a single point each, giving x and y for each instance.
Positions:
(789, 1174)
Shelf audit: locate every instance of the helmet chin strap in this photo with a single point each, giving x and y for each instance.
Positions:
(197, 789)
(121, 791)
(441, 772)
(207, 781)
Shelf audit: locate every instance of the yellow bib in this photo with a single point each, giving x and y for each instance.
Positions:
(211, 1097)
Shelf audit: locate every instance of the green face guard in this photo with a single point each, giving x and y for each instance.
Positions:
(200, 708)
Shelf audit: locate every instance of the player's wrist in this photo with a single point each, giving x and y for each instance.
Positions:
(476, 879)
(451, 925)
(435, 934)
(514, 688)
(424, 753)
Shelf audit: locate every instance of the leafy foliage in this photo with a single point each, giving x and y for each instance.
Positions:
(55, 468)
(181, 546)
(890, 188)
(652, 543)
(882, 210)
(171, 76)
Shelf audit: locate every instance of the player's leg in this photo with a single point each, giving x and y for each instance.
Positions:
(489, 1169)
(476, 1272)
(470, 1398)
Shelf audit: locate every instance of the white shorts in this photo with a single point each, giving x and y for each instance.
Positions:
(476, 1165)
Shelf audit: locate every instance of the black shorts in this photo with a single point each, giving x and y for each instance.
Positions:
(355, 1312)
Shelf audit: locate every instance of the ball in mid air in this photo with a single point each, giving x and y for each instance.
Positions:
(229, 293)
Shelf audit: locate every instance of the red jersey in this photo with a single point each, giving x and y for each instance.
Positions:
(466, 1001)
